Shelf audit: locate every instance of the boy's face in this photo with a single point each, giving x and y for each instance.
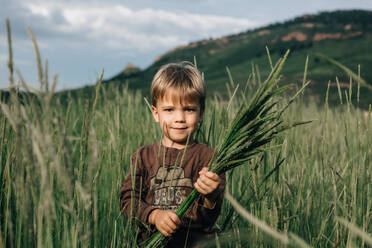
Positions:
(177, 120)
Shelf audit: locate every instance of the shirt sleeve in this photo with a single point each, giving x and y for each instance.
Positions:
(208, 216)
(134, 190)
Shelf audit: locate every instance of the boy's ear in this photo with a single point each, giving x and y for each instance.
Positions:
(155, 113)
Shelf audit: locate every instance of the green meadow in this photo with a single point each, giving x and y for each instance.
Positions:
(61, 169)
(62, 162)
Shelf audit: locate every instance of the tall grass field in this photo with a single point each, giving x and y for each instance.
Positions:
(62, 165)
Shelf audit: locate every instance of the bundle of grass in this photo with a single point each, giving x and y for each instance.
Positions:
(253, 127)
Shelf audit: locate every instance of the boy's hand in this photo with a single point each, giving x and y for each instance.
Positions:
(207, 184)
(166, 221)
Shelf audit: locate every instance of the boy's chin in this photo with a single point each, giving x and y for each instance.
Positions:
(179, 140)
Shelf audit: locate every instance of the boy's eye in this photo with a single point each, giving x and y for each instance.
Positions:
(168, 110)
(190, 109)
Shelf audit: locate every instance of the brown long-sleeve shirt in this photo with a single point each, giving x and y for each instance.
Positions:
(161, 178)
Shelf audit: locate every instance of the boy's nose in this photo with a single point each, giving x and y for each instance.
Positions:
(180, 116)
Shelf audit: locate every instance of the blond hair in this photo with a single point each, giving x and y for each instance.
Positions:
(183, 79)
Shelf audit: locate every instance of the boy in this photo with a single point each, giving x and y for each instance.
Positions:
(165, 173)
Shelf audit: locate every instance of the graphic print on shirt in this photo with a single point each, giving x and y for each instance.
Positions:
(169, 187)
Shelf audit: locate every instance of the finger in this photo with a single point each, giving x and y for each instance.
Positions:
(201, 188)
(203, 170)
(171, 225)
(163, 227)
(175, 219)
(208, 185)
(201, 191)
(207, 181)
(167, 227)
(205, 184)
(212, 176)
(165, 233)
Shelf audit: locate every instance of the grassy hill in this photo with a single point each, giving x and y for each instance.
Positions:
(345, 36)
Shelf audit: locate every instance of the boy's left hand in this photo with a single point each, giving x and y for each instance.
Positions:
(207, 183)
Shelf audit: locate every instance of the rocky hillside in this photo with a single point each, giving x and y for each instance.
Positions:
(345, 36)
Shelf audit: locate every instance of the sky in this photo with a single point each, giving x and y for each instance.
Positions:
(80, 38)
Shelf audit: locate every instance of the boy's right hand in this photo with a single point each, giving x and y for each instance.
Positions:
(166, 221)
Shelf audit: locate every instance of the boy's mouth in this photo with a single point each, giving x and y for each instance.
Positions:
(179, 128)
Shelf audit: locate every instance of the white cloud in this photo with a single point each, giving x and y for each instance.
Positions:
(118, 27)
(39, 10)
(79, 37)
